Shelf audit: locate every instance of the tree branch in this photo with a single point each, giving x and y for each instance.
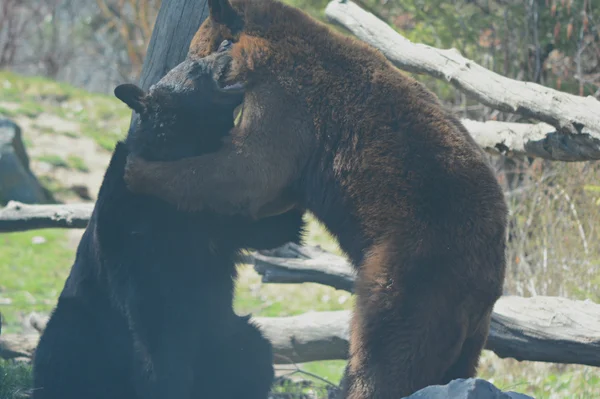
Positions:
(549, 329)
(309, 337)
(578, 116)
(538, 140)
(175, 26)
(291, 264)
(17, 216)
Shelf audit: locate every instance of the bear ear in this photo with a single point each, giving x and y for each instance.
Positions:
(132, 95)
(222, 12)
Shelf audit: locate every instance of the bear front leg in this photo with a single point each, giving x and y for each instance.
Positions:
(272, 232)
(238, 179)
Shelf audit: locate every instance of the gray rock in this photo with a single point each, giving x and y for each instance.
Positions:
(16, 180)
(472, 388)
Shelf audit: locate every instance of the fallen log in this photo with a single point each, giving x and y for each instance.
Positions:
(547, 329)
(297, 339)
(16, 216)
(290, 264)
(577, 119)
(538, 140)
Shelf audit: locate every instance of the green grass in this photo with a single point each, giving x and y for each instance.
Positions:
(54, 160)
(30, 109)
(15, 378)
(7, 113)
(55, 186)
(103, 118)
(72, 162)
(542, 380)
(77, 163)
(33, 266)
(44, 129)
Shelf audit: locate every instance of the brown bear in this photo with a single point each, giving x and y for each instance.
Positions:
(330, 125)
(146, 311)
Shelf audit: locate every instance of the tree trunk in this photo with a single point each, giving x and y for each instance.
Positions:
(176, 24)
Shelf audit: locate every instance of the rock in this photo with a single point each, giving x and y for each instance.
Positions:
(472, 388)
(17, 182)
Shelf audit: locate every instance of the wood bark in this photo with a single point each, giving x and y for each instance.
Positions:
(16, 216)
(547, 329)
(176, 23)
(303, 264)
(576, 118)
(538, 140)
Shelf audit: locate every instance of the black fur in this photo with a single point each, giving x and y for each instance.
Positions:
(146, 311)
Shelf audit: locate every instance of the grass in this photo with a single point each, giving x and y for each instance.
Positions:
(77, 163)
(546, 258)
(541, 380)
(103, 118)
(15, 378)
(33, 266)
(72, 162)
(54, 160)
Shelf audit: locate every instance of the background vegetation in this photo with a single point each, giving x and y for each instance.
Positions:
(83, 48)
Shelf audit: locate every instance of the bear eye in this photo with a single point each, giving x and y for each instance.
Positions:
(225, 44)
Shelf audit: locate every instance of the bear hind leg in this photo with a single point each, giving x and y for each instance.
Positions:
(400, 345)
(468, 361)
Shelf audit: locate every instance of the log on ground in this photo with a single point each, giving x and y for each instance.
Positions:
(542, 328)
(547, 329)
(16, 216)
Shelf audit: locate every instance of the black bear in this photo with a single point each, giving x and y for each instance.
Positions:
(147, 311)
(331, 126)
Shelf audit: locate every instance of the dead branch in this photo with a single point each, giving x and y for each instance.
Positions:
(297, 339)
(308, 337)
(17, 216)
(175, 26)
(538, 140)
(295, 264)
(577, 116)
(547, 329)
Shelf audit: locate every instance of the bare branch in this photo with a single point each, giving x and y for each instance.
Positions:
(294, 264)
(547, 329)
(175, 25)
(309, 337)
(538, 140)
(17, 216)
(566, 112)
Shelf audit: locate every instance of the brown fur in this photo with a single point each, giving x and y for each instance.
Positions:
(331, 126)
